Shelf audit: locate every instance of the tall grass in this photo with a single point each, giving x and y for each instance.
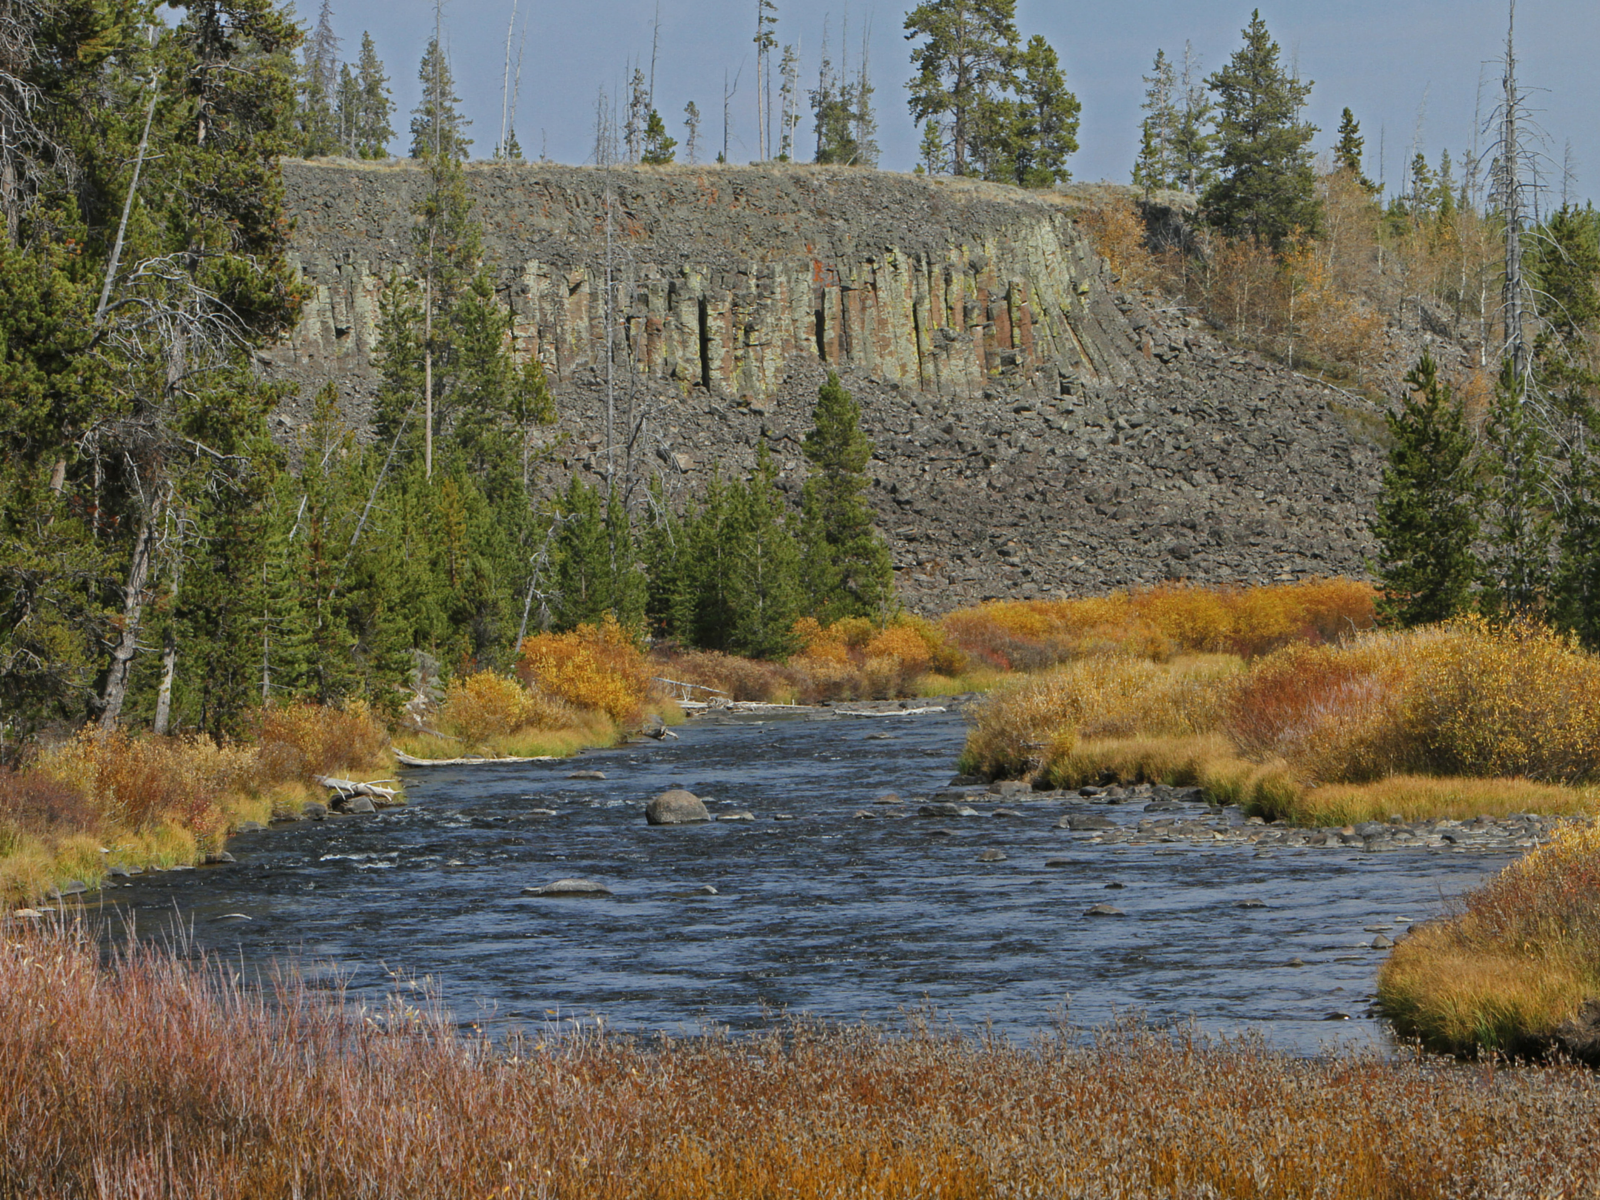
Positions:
(1161, 622)
(228, 1091)
(1519, 960)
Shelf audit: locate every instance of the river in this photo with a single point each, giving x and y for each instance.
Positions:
(816, 910)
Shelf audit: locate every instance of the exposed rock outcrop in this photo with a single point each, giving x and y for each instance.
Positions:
(1038, 432)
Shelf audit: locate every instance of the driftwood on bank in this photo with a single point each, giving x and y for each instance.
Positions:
(411, 760)
(352, 787)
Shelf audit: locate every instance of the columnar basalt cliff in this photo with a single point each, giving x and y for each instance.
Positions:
(1038, 431)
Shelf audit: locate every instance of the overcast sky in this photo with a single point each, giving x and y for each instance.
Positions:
(1401, 65)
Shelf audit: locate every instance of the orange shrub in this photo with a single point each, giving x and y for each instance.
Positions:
(596, 667)
(904, 645)
(738, 678)
(484, 705)
(304, 739)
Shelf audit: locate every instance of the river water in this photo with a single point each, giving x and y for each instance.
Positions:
(816, 910)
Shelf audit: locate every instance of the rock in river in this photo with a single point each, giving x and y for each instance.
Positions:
(569, 887)
(676, 807)
(992, 856)
(1103, 910)
(946, 810)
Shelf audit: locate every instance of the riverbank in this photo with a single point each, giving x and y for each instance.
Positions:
(230, 1091)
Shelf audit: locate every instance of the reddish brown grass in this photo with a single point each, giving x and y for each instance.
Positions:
(231, 1092)
(298, 741)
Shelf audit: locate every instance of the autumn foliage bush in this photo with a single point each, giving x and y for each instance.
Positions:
(1160, 622)
(301, 740)
(486, 705)
(597, 667)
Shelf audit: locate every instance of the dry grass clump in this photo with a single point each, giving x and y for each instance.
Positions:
(1160, 622)
(1425, 798)
(596, 667)
(1516, 963)
(303, 739)
(1465, 698)
(737, 678)
(230, 1092)
(1039, 719)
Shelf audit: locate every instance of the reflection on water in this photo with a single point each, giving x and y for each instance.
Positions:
(816, 909)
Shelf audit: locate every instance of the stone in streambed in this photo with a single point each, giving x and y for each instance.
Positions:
(1382, 943)
(314, 810)
(576, 888)
(586, 775)
(676, 807)
(946, 810)
(1104, 910)
(358, 806)
(992, 856)
(1085, 822)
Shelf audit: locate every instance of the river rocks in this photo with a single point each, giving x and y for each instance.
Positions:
(736, 816)
(569, 888)
(965, 781)
(1005, 812)
(314, 810)
(1382, 943)
(945, 809)
(73, 887)
(1249, 904)
(357, 806)
(992, 856)
(220, 858)
(249, 827)
(1085, 823)
(1010, 787)
(1058, 862)
(676, 807)
(586, 775)
(1104, 910)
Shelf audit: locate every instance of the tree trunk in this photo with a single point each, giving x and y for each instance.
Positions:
(133, 601)
(169, 666)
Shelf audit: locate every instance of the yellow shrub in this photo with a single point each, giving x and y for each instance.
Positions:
(594, 667)
(304, 739)
(485, 705)
(905, 646)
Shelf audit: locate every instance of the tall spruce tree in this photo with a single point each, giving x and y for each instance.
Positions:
(1026, 140)
(374, 106)
(1519, 525)
(1347, 153)
(1194, 139)
(764, 590)
(847, 566)
(1427, 507)
(1156, 166)
(1267, 185)
(437, 127)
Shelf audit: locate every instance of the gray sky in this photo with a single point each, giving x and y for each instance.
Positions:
(1400, 65)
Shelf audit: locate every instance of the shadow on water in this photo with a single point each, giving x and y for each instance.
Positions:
(816, 909)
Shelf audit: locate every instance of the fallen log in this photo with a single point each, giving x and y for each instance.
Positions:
(411, 760)
(352, 787)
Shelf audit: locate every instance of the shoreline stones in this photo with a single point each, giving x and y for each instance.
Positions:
(676, 807)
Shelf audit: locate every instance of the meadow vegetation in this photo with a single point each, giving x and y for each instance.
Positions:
(1453, 720)
(236, 1091)
(1516, 962)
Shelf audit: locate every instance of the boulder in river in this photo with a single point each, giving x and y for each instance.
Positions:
(586, 775)
(314, 810)
(945, 809)
(992, 856)
(575, 888)
(676, 807)
(1103, 910)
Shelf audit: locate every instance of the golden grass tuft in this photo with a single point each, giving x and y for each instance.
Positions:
(233, 1091)
(1520, 958)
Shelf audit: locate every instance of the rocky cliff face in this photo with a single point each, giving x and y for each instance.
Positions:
(1038, 432)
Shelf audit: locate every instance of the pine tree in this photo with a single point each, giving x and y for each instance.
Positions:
(348, 110)
(1575, 598)
(658, 147)
(1034, 134)
(1520, 526)
(932, 151)
(639, 109)
(1156, 168)
(437, 127)
(1194, 140)
(374, 108)
(1427, 508)
(691, 122)
(764, 591)
(1267, 188)
(319, 86)
(1347, 154)
(848, 569)
(963, 63)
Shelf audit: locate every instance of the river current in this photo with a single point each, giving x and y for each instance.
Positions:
(816, 909)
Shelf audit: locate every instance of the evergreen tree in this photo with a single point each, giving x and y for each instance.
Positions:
(1427, 508)
(319, 84)
(374, 107)
(1194, 139)
(1520, 524)
(932, 151)
(596, 563)
(348, 110)
(1575, 600)
(1267, 187)
(691, 122)
(764, 590)
(1156, 167)
(1347, 154)
(437, 127)
(1034, 134)
(847, 566)
(658, 147)
(963, 63)
(710, 565)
